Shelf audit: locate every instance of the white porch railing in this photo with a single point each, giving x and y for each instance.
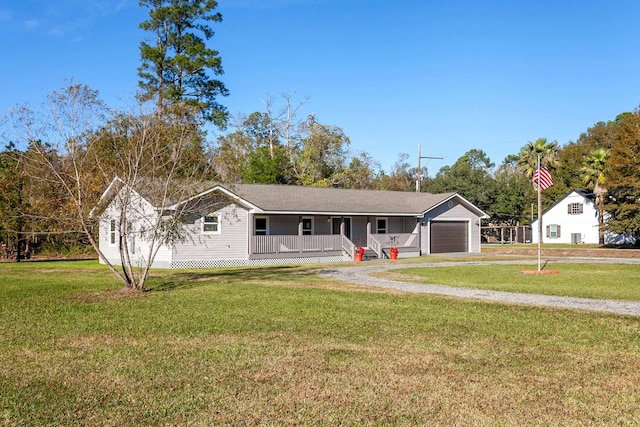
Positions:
(348, 246)
(295, 244)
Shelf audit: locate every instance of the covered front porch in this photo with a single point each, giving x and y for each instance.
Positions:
(286, 236)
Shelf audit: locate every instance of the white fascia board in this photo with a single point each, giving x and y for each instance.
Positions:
(469, 205)
(311, 213)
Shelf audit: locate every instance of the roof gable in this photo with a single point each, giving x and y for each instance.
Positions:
(582, 192)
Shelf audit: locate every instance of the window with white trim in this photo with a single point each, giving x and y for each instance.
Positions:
(211, 224)
(553, 231)
(381, 225)
(112, 232)
(307, 226)
(260, 225)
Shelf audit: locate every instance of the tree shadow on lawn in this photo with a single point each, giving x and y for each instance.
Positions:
(195, 278)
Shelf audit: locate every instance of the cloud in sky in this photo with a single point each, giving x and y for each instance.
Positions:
(59, 19)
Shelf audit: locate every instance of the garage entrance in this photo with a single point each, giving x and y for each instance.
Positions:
(449, 236)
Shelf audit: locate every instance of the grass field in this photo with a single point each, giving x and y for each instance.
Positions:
(281, 346)
(603, 281)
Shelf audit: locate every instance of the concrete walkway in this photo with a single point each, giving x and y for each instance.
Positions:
(362, 275)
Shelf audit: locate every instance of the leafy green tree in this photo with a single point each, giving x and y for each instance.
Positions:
(402, 176)
(178, 67)
(513, 194)
(116, 134)
(319, 161)
(571, 158)
(13, 203)
(267, 166)
(252, 152)
(470, 176)
(623, 176)
(361, 173)
(231, 156)
(263, 131)
(593, 176)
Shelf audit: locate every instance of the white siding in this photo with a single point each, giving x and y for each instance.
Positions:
(585, 224)
(140, 254)
(231, 243)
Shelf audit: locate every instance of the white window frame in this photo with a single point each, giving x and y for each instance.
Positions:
(217, 222)
(311, 230)
(112, 233)
(553, 231)
(266, 224)
(386, 225)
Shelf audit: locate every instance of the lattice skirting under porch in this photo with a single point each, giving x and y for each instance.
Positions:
(216, 263)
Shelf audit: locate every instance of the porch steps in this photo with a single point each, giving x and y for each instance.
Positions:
(369, 254)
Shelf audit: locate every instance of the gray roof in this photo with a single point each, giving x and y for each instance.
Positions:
(298, 199)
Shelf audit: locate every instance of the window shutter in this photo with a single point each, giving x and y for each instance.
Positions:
(580, 208)
(569, 208)
(548, 231)
(558, 231)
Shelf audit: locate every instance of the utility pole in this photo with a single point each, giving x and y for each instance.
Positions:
(420, 156)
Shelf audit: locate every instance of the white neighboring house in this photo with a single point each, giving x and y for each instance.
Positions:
(574, 219)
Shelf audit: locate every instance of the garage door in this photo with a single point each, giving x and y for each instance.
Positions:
(449, 236)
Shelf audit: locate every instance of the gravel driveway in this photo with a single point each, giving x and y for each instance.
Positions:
(362, 275)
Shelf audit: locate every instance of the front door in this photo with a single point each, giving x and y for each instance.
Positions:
(335, 226)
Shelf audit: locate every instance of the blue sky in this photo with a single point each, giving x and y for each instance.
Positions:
(449, 75)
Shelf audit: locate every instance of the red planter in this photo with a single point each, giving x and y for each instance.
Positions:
(393, 255)
(357, 256)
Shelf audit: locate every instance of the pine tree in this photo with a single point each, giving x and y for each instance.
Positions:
(179, 68)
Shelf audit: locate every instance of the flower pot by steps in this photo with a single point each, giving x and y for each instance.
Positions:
(393, 256)
(357, 256)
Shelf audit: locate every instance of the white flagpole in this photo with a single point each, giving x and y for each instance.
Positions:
(539, 217)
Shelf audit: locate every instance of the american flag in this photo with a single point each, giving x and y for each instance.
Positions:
(544, 176)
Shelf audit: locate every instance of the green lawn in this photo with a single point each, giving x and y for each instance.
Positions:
(604, 281)
(281, 346)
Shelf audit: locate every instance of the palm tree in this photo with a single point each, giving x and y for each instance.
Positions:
(593, 176)
(528, 157)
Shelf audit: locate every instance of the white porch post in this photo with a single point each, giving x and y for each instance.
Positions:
(418, 230)
(368, 231)
(250, 233)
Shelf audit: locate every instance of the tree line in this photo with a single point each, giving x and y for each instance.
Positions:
(60, 158)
